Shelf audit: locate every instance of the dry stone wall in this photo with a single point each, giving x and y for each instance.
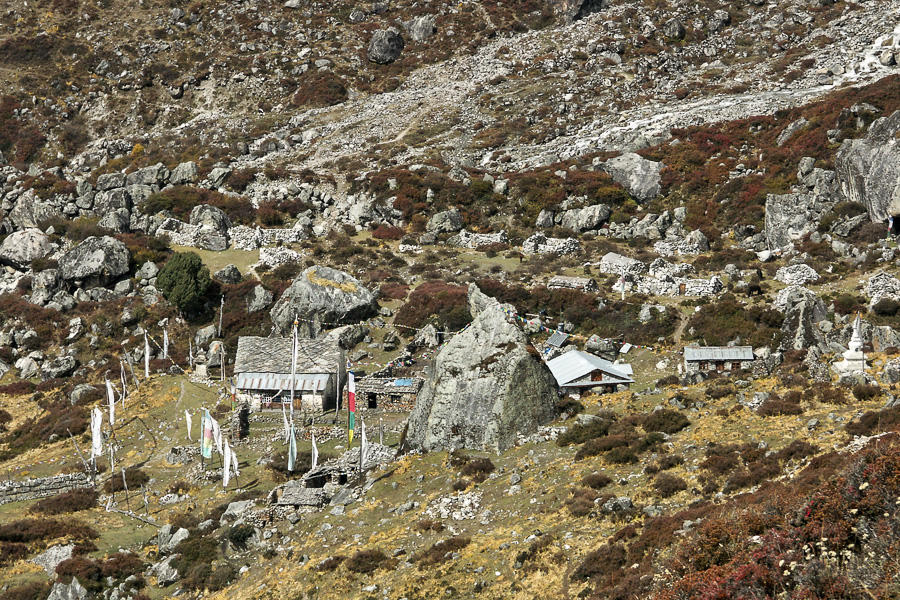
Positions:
(32, 489)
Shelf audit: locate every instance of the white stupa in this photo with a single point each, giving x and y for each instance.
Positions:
(854, 358)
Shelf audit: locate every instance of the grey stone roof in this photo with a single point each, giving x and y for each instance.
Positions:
(273, 355)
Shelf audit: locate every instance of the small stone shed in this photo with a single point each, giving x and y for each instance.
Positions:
(262, 373)
(579, 371)
(389, 394)
(717, 358)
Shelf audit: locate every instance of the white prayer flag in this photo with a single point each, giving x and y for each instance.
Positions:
(187, 419)
(315, 453)
(234, 463)
(292, 451)
(287, 428)
(111, 396)
(294, 348)
(226, 468)
(217, 435)
(96, 436)
(146, 356)
(124, 382)
(165, 343)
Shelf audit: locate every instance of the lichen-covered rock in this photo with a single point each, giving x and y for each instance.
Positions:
(869, 169)
(796, 274)
(386, 46)
(96, 260)
(448, 221)
(22, 247)
(584, 219)
(485, 387)
(641, 177)
(229, 274)
(803, 311)
(791, 216)
(71, 591)
(323, 295)
(258, 299)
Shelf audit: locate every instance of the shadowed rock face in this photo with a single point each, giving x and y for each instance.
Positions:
(869, 169)
(574, 10)
(485, 387)
(323, 295)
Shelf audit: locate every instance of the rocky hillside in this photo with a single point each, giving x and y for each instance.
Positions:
(441, 193)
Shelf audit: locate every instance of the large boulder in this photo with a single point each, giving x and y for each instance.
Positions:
(448, 221)
(868, 169)
(587, 218)
(95, 261)
(420, 28)
(31, 211)
(70, 591)
(791, 216)
(22, 247)
(386, 46)
(803, 311)
(321, 295)
(485, 387)
(574, 10)
(215, 227)
(186, 172)
(641, 177)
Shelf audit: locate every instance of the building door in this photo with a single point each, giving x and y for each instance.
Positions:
(682, 288)
(372, 400)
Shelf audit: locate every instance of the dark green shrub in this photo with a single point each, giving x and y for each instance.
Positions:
(66, 502)
(665, 421)
(239, 535)
(866, 391)
(578, 434)
(596, 481)
(441, 551)
(366, 561)
(185, 282)
(667, 485)
(134, 478)
(886, 307)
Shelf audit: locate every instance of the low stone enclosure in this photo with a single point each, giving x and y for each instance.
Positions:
(32, 489)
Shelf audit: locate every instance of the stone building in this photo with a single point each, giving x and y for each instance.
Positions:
(389, 394)
(562, 282)
(717, 358)
(581, 372)
(262, 373)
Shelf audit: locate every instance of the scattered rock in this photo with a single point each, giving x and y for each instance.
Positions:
(636, 174)
(386, 46)
(20, 248)
(95, 261)
(229, 274)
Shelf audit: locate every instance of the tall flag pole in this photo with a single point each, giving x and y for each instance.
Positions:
(314, 461)
(123, 381)
(191, 352)
(292, 451)
(294, 348)
(146, 356)
(351, 404)
(189, 423)
(165, 343)
(286, 426)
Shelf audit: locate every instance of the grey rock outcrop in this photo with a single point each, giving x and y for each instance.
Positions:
(50, 558)
(258, 299)
(386, 46)
(22, 247)
(420, 28)
(448, 221)
(214, 227)
(229, 274)
(59, 367)
(868, 169)
(796, 274)
(71, 591)
(673, 29)
(585, 219)
(168, 537)
(641, 177)
(891, 372)
(323, 295)
(803, 311)
(485, 387)
(186, 172)
(164, 572)
(95, 261)
(791, 216)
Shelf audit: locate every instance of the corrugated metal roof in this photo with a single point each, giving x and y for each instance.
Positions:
(575, 364)
(558, 339)
(303, 382)
(718, 353)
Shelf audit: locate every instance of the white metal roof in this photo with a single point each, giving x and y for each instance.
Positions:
(303, 382)
(718, 353)
(573, 365)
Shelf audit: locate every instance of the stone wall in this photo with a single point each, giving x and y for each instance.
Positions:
(32, 489)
